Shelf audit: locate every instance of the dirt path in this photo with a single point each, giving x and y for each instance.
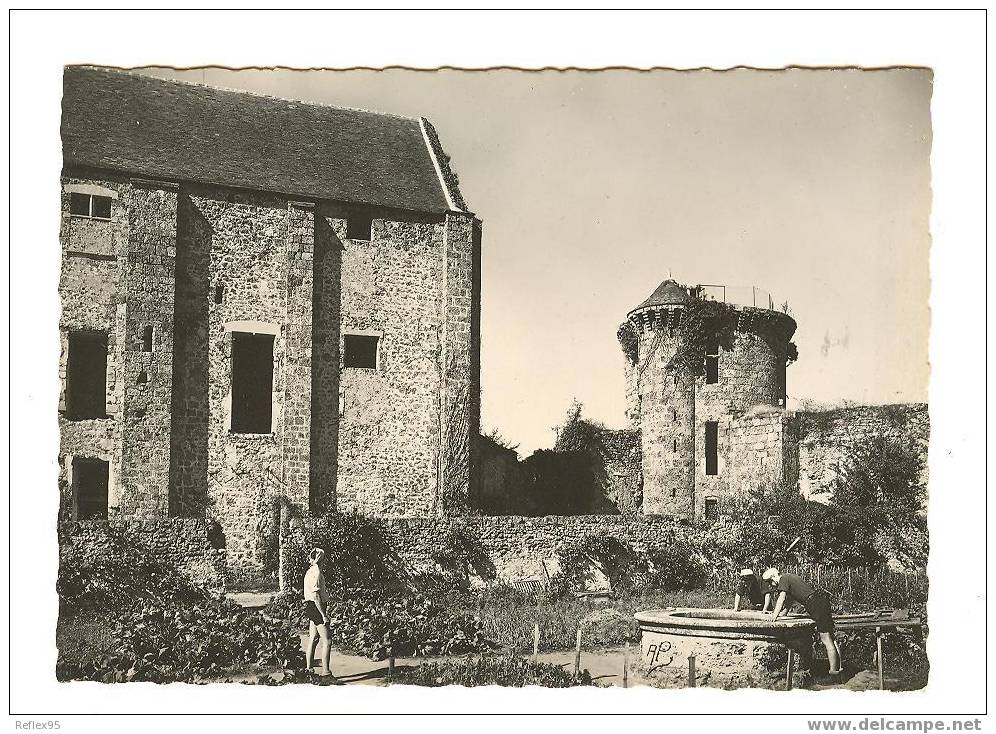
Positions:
(605, 666)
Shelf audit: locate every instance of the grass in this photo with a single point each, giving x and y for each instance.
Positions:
(508, 616)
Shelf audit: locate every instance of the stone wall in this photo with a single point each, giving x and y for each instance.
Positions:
(515, 546)
(394, 440)
(93, 292)
(621, 469)
(192, 547)
(667, 422)
(673, 406)
(825, 437)
(148, 374)
(388, 447)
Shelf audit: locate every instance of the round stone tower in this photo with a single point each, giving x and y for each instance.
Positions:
(705, 383)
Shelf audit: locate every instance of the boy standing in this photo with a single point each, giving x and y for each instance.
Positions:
(316, 601)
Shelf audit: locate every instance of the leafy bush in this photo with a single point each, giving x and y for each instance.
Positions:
(505, 670)
(905, 655)
(117, 579)
(671, 564)
(378, 624)
(356, 554)
(188, 641)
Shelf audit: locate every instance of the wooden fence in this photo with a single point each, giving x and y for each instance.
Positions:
(851, 589)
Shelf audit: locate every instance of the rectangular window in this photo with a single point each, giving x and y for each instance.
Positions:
(712, 362)
(359, 226)
(711, 509)
(360, 351)
(147, 333)
(712, 448)
(90, 488)
(86, 375)
(90, 205)
(252, 383)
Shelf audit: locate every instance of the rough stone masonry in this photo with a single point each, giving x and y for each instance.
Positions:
(270, 308)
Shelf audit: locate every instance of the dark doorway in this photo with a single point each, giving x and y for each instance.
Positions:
(711, 509)
(252, 383)
(86, 375)
(90, 488)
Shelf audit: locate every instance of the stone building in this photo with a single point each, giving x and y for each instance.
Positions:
(269, 308)
(705, 377)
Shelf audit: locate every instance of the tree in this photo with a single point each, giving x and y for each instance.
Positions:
(878, 495)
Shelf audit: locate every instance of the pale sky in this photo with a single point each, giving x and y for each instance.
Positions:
(595, 186)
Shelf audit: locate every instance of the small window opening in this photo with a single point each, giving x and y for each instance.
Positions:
(674, 445)
(219, 293)
(359, 226)
(252, 383)
(90, 205)
(86, 375)
(711, 509)
(143, 377)
(712, 448)
(674, 415)
(147, 338)
(360, 351)
(90, 488)
(712, 362)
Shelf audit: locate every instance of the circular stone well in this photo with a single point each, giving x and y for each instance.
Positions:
(732, 649)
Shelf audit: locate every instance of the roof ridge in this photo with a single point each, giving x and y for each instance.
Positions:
(311, 103)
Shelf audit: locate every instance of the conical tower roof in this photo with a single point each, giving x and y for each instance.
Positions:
(668, 293)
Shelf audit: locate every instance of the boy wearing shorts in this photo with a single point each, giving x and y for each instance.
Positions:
(817, 604)
(316, 601)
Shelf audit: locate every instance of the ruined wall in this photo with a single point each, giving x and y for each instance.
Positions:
(499, 486)
(190, 546)
(762, 451)
(825, 438)
(621, 469)
(515, 546)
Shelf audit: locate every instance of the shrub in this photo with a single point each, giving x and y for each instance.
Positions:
(190, 641)
(378, 624)
(505, 670)
(356, 552)
(671, 564)
(117, 579)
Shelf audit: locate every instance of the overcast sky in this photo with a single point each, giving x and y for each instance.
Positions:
(595, 186)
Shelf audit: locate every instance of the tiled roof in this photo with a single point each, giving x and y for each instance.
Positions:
(668, 293)
(189, 132)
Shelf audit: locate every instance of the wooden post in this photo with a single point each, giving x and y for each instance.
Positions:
(390, 662)
(881, 662)
(535, 642)
(850, 589)
(789, 670)
(691, 670)
(626, 666)
(577, 656)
